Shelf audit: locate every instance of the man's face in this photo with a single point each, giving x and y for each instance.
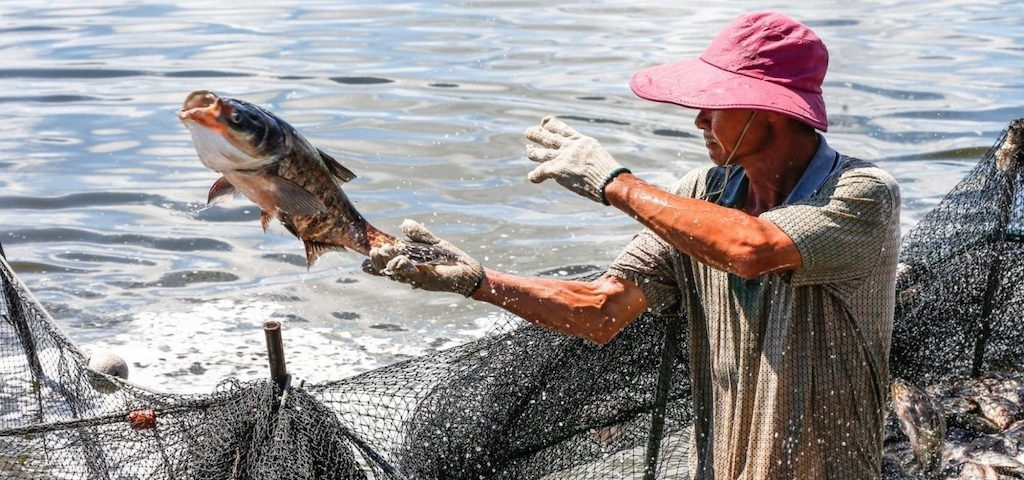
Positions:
(722, 130)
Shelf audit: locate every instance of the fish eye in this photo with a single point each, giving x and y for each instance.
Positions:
(235, 117)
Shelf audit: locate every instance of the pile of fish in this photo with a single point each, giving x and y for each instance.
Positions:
(971, 428)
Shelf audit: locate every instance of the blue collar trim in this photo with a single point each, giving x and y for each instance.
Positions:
(821, 166)
(823, 163)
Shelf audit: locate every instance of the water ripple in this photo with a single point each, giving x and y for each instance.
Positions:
(58, 234)
(81, 200)
(181, 279)
(44, 268)
(31, 29)
(998, 115)
(106, 73)
(361, 80)
(607, 121)
(96, 258)
(69, 73)
(52, 99)
(894, 94)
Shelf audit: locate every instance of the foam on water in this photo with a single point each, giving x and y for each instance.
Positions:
(192, 350)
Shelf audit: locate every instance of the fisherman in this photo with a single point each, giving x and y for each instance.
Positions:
(782, 257)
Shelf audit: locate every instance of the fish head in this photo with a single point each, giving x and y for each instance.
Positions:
(231, 134)
(911, 404)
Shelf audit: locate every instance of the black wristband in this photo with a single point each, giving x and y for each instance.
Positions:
(611, 176)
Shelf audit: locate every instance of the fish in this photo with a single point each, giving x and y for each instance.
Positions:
(266, 160)
(998, 410)
(922, 421)
(980, 462)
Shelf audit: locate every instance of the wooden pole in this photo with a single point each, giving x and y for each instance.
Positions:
(275, 351)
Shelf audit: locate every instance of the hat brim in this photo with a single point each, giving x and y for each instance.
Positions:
(694, 83)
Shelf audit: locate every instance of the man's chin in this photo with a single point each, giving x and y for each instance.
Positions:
(714, 157)
(717, 161)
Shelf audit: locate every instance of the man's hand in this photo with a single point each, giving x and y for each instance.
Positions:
(462, 275)
(575, 161)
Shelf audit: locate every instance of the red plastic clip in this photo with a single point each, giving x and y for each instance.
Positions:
(143, 419)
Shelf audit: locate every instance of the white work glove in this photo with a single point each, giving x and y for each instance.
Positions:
(461, 274)
(575, 161)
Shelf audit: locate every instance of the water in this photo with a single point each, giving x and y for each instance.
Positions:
(101, 208)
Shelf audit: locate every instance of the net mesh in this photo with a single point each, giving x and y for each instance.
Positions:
(519, 403)
(960, 307)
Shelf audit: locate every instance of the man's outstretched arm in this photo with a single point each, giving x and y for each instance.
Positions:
(596, 310)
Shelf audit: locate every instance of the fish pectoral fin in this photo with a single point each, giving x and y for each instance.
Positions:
(315, 249)
(337, 170)
(221, 191)
(293, 199)
(265, 220)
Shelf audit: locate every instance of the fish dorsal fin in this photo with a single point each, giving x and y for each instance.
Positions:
(221, 191)
(315, 249)
(293, 199)
(337, 170)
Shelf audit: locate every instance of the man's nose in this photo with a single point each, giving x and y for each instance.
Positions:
(702, 120)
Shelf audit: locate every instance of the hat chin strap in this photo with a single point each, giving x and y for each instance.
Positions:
(728, 161)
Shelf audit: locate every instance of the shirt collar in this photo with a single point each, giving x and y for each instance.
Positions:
(821, 166)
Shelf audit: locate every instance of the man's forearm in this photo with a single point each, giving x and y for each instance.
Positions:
(724, 238)
(595, 310)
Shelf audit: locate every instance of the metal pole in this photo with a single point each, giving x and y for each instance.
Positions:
(275, 351)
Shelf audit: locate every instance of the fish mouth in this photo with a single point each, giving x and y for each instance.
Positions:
(202, 107)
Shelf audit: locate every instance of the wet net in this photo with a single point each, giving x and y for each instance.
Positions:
(960, 291)
(519, 403)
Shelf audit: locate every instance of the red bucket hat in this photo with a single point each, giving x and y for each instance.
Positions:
(762, 60)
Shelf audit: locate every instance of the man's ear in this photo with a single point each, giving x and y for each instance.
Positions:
(797, 126)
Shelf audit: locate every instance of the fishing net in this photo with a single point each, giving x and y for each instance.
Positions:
(519, 403)
(960, 301)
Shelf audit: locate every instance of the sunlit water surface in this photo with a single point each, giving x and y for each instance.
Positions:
(102, 208)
